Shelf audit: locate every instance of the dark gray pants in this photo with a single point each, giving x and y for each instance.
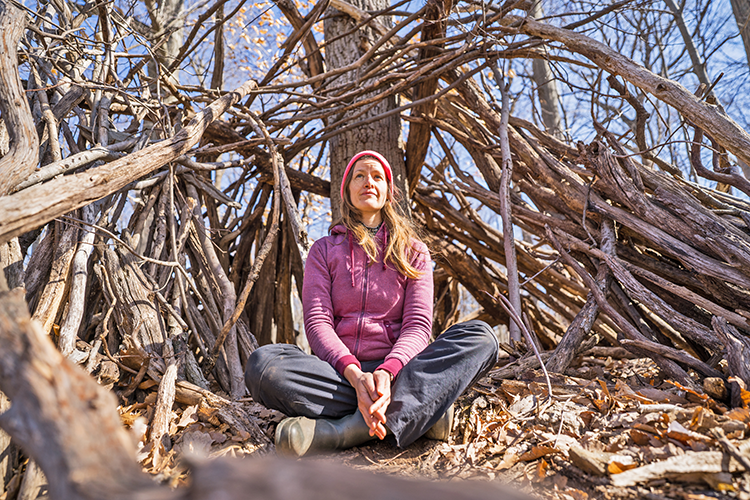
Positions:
(282, 377)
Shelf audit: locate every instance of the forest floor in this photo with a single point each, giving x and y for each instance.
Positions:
(614, 429)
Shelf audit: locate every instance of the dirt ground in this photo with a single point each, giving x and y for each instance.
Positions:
(613, 429)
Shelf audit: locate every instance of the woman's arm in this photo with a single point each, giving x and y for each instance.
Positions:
(317, 307)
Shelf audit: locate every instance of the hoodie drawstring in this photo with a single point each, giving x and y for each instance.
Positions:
(351, 254)
(383, 245)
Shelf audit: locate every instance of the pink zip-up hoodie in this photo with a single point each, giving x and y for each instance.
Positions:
(357, 311)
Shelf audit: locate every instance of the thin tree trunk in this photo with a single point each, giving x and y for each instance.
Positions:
(741, 9)
(217, 77)
(549, 98)
(509, 239)
(22, 157)
(229, 300)
(11, 263)
(581, 326)
(48, 307)
(418, 142)
(79, 278)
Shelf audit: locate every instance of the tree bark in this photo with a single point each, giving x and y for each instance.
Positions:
(549, 98)
(48, 306)
(741, 9)
(11, 263)
(79, 279)
(34, 484)
(22, 157)
(383, 136)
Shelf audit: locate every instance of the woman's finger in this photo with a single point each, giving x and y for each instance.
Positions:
(371, 385)
(382, 382)
(379, 408)
(380, 431)
(368, 418)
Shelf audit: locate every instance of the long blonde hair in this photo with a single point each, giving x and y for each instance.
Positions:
(401, 232)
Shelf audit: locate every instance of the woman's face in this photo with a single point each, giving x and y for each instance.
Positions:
(368, 188)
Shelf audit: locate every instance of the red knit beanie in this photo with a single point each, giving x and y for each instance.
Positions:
(377, 156)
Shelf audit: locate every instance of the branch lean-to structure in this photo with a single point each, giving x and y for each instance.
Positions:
(188, 274)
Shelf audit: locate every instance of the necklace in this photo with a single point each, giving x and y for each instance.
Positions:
(373, 230)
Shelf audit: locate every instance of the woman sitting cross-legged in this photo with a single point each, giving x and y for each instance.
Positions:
(367, 298)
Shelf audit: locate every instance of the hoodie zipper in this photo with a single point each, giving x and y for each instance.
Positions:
(362, 310)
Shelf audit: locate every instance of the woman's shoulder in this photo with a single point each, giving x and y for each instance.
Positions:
(419, 249)
(337, 236)
(419, 245)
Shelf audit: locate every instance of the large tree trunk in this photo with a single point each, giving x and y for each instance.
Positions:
(383, 136)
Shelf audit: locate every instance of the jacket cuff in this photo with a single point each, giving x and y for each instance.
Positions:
(392, 366)
(345, 361)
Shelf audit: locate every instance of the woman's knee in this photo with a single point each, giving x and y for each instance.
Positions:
(260, 370)
(487, 334)
(481, 336)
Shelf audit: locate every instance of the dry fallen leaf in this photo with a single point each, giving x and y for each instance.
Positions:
(509, 460)
(683, 435)
(741, 414)
(189, 415)
(537, 452)
(639, 437)
(541, 469)
(621, 463)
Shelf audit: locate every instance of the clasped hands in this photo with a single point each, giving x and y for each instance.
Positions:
(373, 396)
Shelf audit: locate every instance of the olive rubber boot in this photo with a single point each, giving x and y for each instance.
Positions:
(441, 431)
(300, 436)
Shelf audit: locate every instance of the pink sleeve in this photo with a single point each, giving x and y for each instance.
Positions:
(416, 326)
(318, 312)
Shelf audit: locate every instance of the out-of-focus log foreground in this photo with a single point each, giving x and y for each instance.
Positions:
(146, 273)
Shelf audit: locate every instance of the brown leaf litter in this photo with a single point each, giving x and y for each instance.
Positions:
(613, 429)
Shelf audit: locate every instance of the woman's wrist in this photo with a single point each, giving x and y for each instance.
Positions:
(352, 373)
(390, 375)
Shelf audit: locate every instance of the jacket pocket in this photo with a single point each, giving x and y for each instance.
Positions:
(389, 332)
